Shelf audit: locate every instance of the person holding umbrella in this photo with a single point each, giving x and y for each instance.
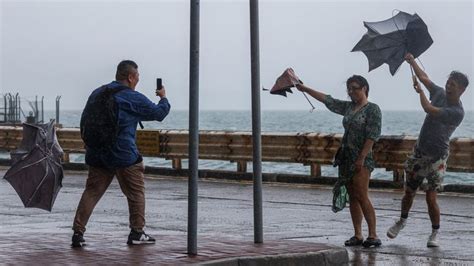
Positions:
(428, 162)
(362, 121)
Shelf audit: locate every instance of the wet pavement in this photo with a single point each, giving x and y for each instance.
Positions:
(297, 220)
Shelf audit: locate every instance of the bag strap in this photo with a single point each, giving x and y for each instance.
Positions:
(114, 90)
(119, 89)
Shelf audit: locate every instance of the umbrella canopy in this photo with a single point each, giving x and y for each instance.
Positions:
(285, 82)
(390, 40)
(36, 173)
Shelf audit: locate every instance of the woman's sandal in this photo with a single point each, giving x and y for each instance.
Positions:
(372, 242)
(353, 241)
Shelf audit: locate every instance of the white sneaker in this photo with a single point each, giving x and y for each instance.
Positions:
(395, 229)
(432, 240)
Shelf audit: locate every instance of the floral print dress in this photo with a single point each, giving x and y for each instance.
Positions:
(363, 124)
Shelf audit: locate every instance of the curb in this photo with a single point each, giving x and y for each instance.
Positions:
(266, 177)
(336, 256)
(245, 176)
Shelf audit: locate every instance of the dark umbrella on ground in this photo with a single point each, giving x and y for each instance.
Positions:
(390, 40)
(36, 173)
(285, 82)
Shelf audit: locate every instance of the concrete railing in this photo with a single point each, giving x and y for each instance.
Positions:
(314, 149)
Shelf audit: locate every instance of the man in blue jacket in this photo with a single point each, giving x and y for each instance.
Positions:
(123, 159)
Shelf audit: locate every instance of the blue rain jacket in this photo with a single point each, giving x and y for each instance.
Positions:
(133, 107)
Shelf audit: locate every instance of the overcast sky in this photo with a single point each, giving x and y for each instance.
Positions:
(68, 48)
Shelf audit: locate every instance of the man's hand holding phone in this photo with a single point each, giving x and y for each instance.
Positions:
(160, 89)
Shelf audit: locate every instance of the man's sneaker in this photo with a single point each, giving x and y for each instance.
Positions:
(78, 240)
(395, 229)
(432, 240)
(139, 238)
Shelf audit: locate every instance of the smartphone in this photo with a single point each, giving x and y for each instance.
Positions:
(159, 84)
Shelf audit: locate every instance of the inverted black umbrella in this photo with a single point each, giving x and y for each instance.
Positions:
(388, 41)
(36, 173)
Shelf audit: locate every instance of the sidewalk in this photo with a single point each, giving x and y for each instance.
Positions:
(298, 225)
(109, 248)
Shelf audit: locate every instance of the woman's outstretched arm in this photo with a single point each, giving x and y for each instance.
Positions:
(314, 93)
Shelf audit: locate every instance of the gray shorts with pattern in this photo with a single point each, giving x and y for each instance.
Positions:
(424, 172)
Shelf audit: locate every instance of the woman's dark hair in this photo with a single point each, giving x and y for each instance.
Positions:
(361, 81)
(460, 78)
(125, 68)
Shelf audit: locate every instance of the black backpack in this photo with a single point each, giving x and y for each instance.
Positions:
(99, 120)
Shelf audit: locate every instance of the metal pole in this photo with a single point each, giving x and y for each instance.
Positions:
(36, 109)
(42, 109)
(17, 107)
(193, 128)
(12, 109)
(5, 108)
(57, 109)
(9, 106)
(20, 111)
(256, 130)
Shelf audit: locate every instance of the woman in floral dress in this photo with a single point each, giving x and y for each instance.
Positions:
(362, 126)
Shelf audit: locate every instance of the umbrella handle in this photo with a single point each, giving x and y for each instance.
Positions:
(413, 76)
(312, 109)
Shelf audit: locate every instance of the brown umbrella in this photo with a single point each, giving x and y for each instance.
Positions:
(285, 82)
(36, 173)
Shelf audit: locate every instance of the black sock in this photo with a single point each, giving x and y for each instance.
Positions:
(404, 215)
(435, 227)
